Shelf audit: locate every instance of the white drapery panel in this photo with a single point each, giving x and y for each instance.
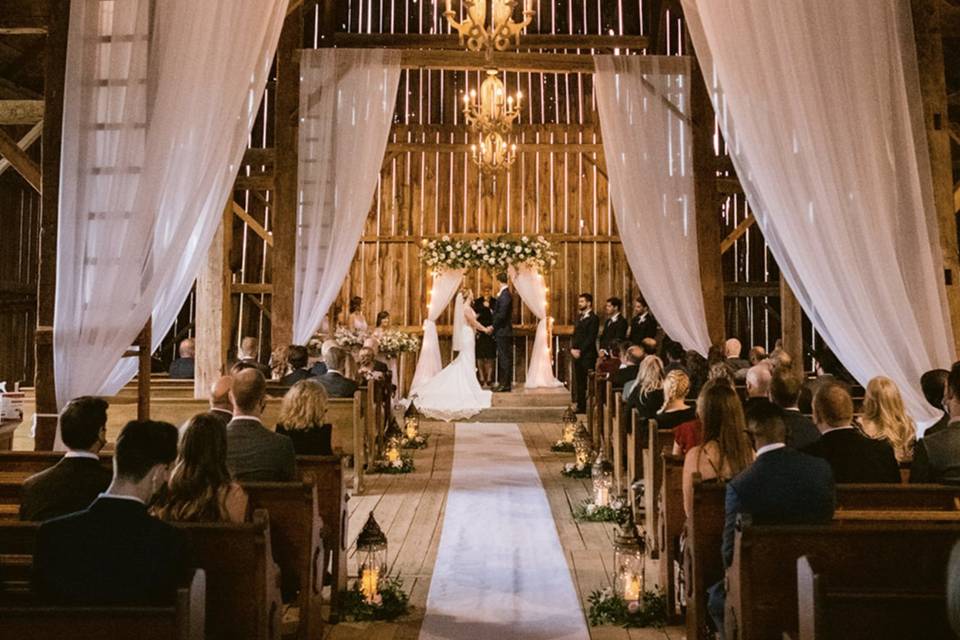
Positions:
(532, 289)
(429, 363)
(644, 115)
(160, 98)
(822, 111)
(347, 98)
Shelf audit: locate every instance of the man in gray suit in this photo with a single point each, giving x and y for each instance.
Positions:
(936, 458)
(253, 451)
(336, 384)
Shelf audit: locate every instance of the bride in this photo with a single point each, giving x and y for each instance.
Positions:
(455, 393)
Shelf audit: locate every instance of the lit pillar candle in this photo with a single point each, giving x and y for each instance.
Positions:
(603, 497)
(369, 581)
(631, 587)
(392, 454)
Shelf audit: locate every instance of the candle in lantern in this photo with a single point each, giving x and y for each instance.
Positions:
(369, 581)
(602, 497)
(631, 587)
(393, 454)
(411, 429)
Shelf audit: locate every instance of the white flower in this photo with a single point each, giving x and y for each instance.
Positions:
(525, 239)
(445, 238)
(517, 249)
(591, 508)
(568, 467)
(398, 463)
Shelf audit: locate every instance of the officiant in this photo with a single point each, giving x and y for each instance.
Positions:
(486, 346)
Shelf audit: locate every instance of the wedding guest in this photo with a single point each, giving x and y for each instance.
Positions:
(642, 325)
(254, 453)
(937, 457)
(649, 346)
(114, 552)
(885, 417)
(221, 406)
(201, 488)
(676, 414)
(715, 356)
(334, 380)
(696, 367)
(78, 478)
(609, 361)
(373, 345)
(675, 357)
(785, 387)
(735, 363)
(630, 358)
(853, 456)
(782, 486)
(278, 363)
(356, 321)
(934, 385)
(320, 367)
(583, 347)
(757, 355)
(248, 355)
(301, 419)
(366, 369)
(615, 326)
(725, 450)
(647, 394)
(297, 359)
(758, 384)
(486, 347)
(720, 371)
(182, 367)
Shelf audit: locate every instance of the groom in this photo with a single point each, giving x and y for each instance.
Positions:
(503, 333)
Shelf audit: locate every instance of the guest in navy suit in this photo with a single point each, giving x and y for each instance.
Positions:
(583, 347)
(782, 486)
(503, 334)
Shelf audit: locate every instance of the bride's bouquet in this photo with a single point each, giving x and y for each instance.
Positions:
(393, 342)
(349, 339)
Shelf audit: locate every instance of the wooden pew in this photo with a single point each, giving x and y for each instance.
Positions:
(619, 440)
(329, 476)
(606, 418)
(762, 596)
(182, 620)
(297, 545)
(634, 472)
(671, 520)
(592, 404)
(657, 441)
(844, 602)
(236, 559)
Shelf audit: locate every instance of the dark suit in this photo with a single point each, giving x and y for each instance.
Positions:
(257, 454)
(623, 375)
(614, 330)
(855, 458)
(222, 415)
(503, 336)
(182, 369)
(642, 327)
(318, 369)
(111, 553)
(584, 339)
(313, 441)
(295, 376)
(264, 369)
(938, 426)
(801, 431)
(380, 367)
(337, 386)
(936, 458)
(69, 486)
(782, 486)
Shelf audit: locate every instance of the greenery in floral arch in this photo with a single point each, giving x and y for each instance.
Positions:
(494, 255)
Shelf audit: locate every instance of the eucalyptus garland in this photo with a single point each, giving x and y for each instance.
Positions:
(494, 255)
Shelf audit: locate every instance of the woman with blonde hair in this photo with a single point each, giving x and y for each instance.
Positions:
(885, 418)
(677, 414)
(201, 488)
(301, 418)
(647, 394)
(725, 450)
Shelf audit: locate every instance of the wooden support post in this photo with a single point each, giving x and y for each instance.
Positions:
(791, 324)
(284, 222)
(706, 206)
(926, 26)
(213, 326)
(144, 353)
(55, 61)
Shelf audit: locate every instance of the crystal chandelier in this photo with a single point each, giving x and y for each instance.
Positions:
(487, 31)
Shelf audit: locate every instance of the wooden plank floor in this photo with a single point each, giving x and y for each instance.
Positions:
(410, 510)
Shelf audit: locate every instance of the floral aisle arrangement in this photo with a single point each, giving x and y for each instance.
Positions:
(608, 607)
(389, 603)
(393, 342)
(589, 511)
(494, 255)
(349, 339)
(576, 470)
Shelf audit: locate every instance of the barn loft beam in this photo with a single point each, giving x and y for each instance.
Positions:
(21, 111)
(20, 161)
(25, 142)
(23, 18)
(530, 41)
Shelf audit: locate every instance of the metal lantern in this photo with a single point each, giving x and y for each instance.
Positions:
(411, 422)
(582, 445)
(629, 555)
(602, 475)
(569, 425)
(372, 559)
(394, 438)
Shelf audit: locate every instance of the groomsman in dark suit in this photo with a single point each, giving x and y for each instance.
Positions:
(583, 347)
(615, 328)
(503, 334)
(643, 325)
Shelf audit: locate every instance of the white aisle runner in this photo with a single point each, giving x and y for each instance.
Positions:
(501, 572)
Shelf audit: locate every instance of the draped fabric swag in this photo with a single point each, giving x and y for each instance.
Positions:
(644, 115)
(151, 145)
(820, 105)
(532, 288)
(347, 98)
(429, 363)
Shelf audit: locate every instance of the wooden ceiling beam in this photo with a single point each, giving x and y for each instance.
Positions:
(25, 142)
(21, 111)
(20, 161)
(514, 61)
(23, 17)
(530, 41)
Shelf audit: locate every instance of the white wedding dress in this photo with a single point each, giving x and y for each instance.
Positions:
(455, 393)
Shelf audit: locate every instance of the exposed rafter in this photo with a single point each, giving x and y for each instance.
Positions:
(20, 161)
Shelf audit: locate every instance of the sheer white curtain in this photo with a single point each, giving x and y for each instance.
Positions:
(429, 363)
(347, 98)
(160, 99)
(532, 288)
(821, 109)
(644, 105)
